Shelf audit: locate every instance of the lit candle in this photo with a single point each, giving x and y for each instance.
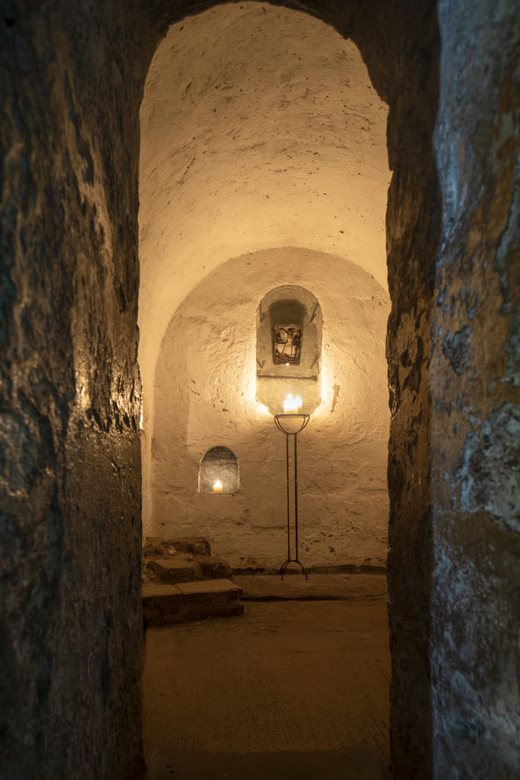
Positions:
(218, 487)
(292, 404)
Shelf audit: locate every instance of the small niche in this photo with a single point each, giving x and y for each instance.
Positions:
(287, 320)
(288, 347)
(218, 472)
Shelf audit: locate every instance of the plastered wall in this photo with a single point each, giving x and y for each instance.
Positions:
(206, 395)
(259, 128)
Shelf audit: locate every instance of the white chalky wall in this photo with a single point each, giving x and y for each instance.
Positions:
(205, 396)
(259, 129)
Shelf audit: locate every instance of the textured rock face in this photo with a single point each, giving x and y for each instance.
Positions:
(69, 395)
(71, 85)
(475, 395)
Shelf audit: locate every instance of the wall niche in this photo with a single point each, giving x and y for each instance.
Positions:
(288, 347)
(218, 472)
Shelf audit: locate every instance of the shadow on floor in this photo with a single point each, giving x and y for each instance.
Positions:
(354, 763)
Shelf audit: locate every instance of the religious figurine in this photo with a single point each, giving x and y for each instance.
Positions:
(287, 344)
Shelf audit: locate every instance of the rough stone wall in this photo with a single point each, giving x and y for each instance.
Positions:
(68, 544)
(205, 396)
(251, 138)
(475, 380)
(412, 238)
(70, 620)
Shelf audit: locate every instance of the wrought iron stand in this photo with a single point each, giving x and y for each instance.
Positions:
(291, 425)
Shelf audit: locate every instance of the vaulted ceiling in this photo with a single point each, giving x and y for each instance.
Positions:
(259, 129)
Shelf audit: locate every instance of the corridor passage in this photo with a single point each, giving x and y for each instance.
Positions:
(294, 688)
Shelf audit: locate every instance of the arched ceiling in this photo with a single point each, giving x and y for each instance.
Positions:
(259, 129)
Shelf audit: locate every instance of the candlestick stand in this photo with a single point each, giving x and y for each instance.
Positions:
(291, 425)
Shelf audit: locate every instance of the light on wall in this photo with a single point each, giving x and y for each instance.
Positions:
(218, 472)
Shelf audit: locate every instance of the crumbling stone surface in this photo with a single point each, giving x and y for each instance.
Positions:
(169, 570)
(196, 567)
(213, 568)
(157, 546)
(181, 560)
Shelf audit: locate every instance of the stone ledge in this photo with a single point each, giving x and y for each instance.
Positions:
(159, 547)
(319, 587)
(165, 604)
(185, 568)
(170, 570)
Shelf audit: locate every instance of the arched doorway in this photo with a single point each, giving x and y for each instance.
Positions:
(261, 126)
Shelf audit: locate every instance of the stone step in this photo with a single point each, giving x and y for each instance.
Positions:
(158, 547)
(166, 604)
(213, 568)
(169, 570)
(185, 569)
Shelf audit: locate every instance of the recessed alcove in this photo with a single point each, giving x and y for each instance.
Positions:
(219, 472)
(288, 347)
(208, 388)
(252, 139)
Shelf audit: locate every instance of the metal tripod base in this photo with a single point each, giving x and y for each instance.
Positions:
(288, 563)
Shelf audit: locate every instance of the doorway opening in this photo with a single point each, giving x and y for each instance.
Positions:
(264, 166)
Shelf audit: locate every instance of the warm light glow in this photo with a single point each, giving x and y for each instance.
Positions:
(218, 487)
(292, 404)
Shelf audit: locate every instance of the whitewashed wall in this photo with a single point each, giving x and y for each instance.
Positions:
(205, 396)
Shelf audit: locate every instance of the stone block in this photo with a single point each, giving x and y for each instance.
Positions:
(169, 570)
(169, 548)
(210, 598)
(213, 568)
(162, 604)
(166, 604)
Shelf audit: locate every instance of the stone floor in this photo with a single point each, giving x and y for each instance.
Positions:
(321, 587)
(295, 688)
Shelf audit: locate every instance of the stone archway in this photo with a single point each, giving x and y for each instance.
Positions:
(71, 124)
(260, 126)
(72, 80)
(412, 231)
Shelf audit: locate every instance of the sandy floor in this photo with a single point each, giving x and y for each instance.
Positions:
(287, 680)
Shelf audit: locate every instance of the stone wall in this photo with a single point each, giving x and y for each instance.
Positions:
(399, 44)
(412, 242)
(259, 129)
(475, 382)
(205, 396)
(73, 81)
(69, 393)
(71, 84)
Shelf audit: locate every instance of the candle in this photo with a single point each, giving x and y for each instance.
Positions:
(218, 487)
(292, 404)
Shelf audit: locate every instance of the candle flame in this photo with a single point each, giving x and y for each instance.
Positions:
(292, 404)
(218, 486)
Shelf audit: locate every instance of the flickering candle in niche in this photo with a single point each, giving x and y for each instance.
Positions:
(292, 404)
(218, 487)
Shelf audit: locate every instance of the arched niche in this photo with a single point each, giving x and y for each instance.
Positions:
(288, 347)
(218, 472)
